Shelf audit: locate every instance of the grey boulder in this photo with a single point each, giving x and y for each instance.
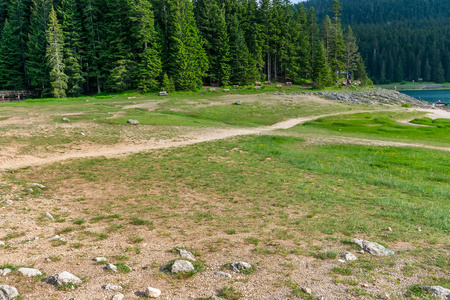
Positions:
(8, 292)
(182, 266)
(372, 247)
(63, 278)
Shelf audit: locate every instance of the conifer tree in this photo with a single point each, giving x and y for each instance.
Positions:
(326, 31)
(55, 59)
(144, 35)
(336, 56)
(71, 26)
(187, 51)
(238, 53)
(321, 70)
(351, 50)
(38, 71)
(11, 64)
(313, 30)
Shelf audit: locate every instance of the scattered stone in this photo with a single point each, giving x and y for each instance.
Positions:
(111, 287)
(239, 266)
(361, 251)
(133, 122)
(9, 202)
(186, 254)
(226, 90)
(389, 229)
(37, 185)
(238, 102)
(29, 272)
(372, 248)
(223, 274)
(385, 296)
(182, 266)
(419, 229)
(83, 134)
(341, 261)
(349, 256)
(111, 267)
(152, 292)
(99, 259)
(2, 243)
(133, 102)
(86, 101)
(307, 291)
(4, 272)
(118, 296)
(63, 278)
(129, 98)
(49, 216)
(8, 292)
(65, 119)
(439, 291)
(57, 238)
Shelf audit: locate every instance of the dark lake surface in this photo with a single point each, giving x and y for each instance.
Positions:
(431, 96)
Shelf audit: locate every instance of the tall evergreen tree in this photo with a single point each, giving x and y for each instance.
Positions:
(321, 70)
(55, 58)
(11, 67)
(239, 65)
(71, 26)
(188, 54)
(38, 71)
(337, 49)
(351, 50)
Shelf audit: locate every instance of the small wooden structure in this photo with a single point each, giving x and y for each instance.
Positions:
(236, 87)
(268, 82)
(163, 93)
(15, 95)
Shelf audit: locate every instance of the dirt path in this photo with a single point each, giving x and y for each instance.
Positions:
(20, 161)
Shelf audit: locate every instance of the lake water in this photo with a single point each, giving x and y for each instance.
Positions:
(431, 96)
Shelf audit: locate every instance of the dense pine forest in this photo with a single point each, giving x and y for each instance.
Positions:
(399, 39)
(71, 47)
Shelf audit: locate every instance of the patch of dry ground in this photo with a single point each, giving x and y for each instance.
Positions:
(73, 201)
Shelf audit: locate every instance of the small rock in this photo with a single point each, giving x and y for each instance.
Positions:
(56, 238)
(8, 292)
(385, 296)
(49, 216)
(238, 102)
(63, 278)
(133, 102)
(37, 185)
(389, 229)
(223, 274)
(238, 266)
(118, 296)
(2, 243)
(365, 285)
(341, 261)
(4, 272)
(86, 101)
(111, 287)
(133, 122)
(186, 254)
(30, 272)
(361, 251)
(439, 291)
(9, 202)
(152, 292)
(99, 259)
(419, 229)
(182, 266)
(372, 248)
(111, 267)
(83, 134)
(307, 291)
(65, 119)
(349, 256)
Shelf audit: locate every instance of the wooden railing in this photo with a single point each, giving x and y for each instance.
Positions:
(15, 95)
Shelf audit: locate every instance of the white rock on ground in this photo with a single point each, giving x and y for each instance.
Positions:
(9, 202)
(118, 297)
(37, 185)
(372, 247)
(8, 292)
(182, 266)
(133, 122)
(63, 278)
(111, 267)
(439, 291)
(49, 216)
(99, 259)
(223, 274)
(2, 243)
(30, 272)
(349, 256)
(111, 287)
(238, 266)
(4, 272)
(152, 292)
(186, 254)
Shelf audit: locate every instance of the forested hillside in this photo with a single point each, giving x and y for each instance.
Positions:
(399, 39)
(73, 47)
